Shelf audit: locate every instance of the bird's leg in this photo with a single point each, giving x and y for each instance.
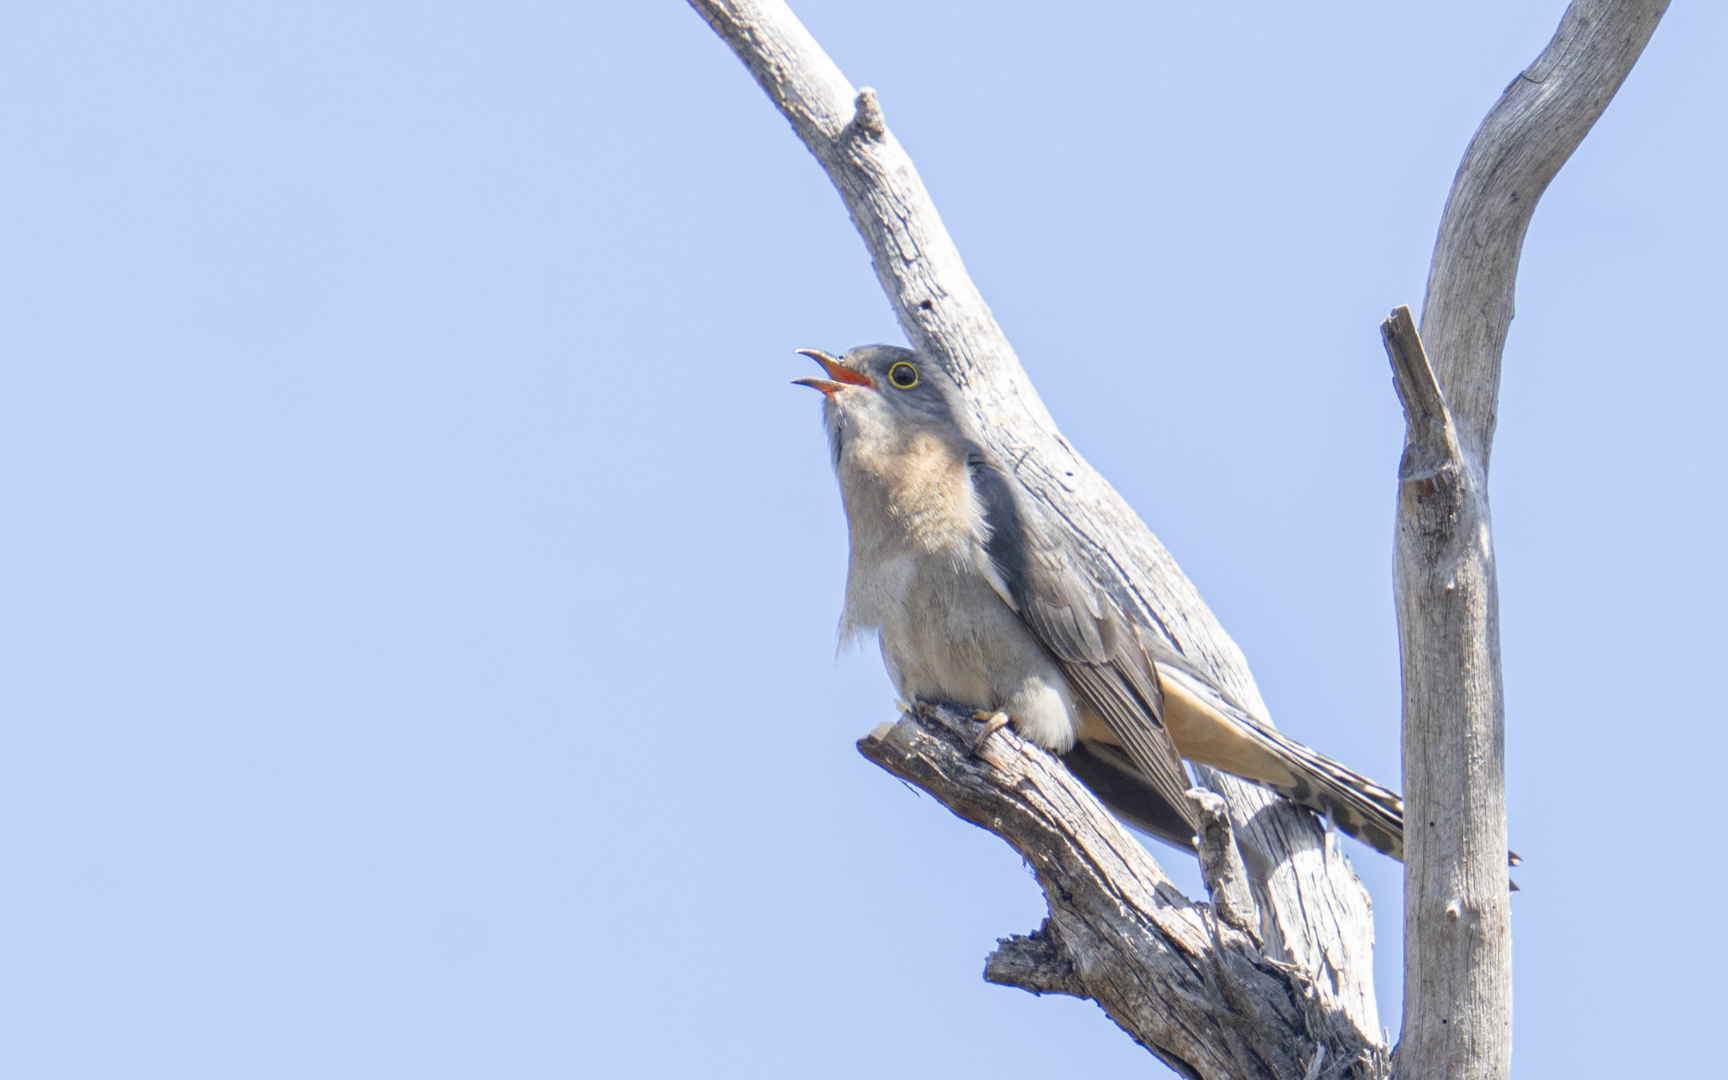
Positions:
(993, 722)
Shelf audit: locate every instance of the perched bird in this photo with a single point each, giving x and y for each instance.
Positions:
(977, 603)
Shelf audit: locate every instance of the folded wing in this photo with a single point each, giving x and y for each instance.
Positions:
(1100, 655)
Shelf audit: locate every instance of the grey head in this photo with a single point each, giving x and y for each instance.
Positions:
(884, 392)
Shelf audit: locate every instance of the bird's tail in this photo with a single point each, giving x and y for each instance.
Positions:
(1368, 811)
(1372, 813)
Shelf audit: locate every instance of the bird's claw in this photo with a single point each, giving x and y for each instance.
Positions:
(993, 722)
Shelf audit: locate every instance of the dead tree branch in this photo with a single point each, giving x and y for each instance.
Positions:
(1190, 987)
(1457, 925)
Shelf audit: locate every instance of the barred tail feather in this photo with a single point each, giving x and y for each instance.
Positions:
(1371, 813)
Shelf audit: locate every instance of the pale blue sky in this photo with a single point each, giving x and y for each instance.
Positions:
(420, 580)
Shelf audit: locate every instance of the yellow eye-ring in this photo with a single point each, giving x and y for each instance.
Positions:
(903, 375)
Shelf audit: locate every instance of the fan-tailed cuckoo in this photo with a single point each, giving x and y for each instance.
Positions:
(978, 604)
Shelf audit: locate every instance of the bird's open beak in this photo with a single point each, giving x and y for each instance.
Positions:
(842, 376)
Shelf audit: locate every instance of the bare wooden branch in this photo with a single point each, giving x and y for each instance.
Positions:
(1457, 923)
(1455, 824)
(1189, 987)
(1314, 912)
(1529, 134)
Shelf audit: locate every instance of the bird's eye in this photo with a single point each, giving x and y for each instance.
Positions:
(903, 375)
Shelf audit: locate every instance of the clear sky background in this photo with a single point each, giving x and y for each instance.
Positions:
(419, 580)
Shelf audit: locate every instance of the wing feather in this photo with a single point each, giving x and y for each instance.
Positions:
(1097, 650)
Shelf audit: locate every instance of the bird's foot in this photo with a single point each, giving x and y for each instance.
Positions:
(993, 722)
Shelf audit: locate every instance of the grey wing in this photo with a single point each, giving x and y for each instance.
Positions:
(1101, 656)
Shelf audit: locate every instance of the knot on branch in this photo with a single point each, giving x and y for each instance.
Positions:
(1036, 962)
(867, 119)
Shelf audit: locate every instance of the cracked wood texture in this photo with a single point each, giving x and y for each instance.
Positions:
(1457, 925)
(1313, 911)
(1195, 991)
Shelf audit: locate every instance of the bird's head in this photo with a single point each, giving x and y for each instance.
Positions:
(884, 391)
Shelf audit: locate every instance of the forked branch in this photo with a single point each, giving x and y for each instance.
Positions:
(1457, 922)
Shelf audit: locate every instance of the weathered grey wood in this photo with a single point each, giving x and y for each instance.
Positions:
(1314, 912)
(1192, 989)
(1540, 119)
(1221, 865)
(1457, 940)
(1457, 922)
